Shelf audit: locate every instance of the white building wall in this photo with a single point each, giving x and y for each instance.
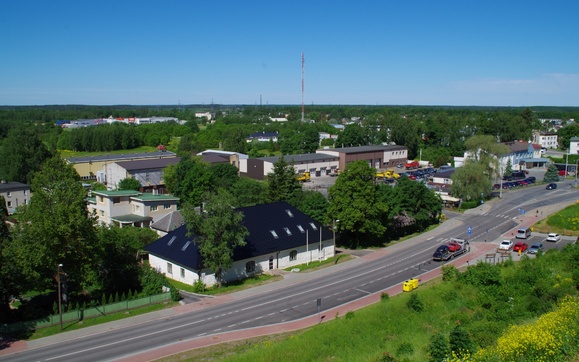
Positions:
(114, 174)
(238, 271)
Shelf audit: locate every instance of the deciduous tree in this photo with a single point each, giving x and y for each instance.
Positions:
(21, 155)
(217, 231)
(129, 183)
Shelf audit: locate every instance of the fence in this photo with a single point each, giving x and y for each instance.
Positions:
(78, 315)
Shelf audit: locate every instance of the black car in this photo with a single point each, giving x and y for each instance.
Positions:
(441, 253)
(551, 186)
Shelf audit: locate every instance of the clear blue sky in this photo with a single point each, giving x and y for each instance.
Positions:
(384, 52)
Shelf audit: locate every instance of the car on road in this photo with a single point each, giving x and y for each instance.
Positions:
(506, 245)
(535, 248)
(520, 246)
(553, 237)
(551, 186)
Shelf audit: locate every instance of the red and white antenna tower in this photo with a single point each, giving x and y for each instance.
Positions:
(302, 87)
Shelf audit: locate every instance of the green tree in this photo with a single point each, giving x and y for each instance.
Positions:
(564, 135)
(218, 230)
(67, 237)
(315, 205)
(21, 155)
(282, 183)
(224, 174)
(508, 168)
(235, 141)
(470, 181)
(116, 257)
(354, 201)
(189, 180)
(552, 174)
(405, 132)
(129, 183)
(10, 278)
(249, 192)
(352, 136)
(486, 151)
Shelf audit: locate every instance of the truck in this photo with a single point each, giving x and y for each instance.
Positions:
(334, 172)
(387, 174)
(452, 249)
(411, 165)
(303, 177)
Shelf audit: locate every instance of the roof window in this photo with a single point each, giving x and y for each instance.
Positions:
(287, 230)
(313, 226)
(301, 229)
(171, 240)
(289, 213)
(274, 234)
(186, 245)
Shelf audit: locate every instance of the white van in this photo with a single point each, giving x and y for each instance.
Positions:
(523, 233)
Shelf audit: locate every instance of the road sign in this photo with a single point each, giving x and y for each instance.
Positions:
(469, 230)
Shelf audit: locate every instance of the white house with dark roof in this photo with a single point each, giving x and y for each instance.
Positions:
(16, 194)
(280, 236)
(130, 208)
(262, 137)
(574, 145)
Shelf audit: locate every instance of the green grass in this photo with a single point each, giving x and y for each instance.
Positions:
(565, 222)
(229, 287)
(316, 264)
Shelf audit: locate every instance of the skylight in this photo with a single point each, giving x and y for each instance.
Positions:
(289, 213)
(313, 226)
(301, 229)
(186, 245)
(287, 230)
(274, 234)
(171, 241)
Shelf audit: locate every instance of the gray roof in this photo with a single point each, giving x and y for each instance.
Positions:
(13, 186)
(155, 163)
(169, 222)
(124, 156)
(363, 149)
(307, 157)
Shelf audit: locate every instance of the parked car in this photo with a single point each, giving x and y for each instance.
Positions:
(551, 186)
(531, 179)
(553, 237)
(506, 245)
(535, 248)
(563, 173)
(520, 246)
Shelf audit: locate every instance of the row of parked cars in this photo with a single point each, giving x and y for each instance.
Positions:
(520, 246)
(420, 174)
(512, 184)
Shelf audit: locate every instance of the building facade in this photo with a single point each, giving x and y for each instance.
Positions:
(16, 194)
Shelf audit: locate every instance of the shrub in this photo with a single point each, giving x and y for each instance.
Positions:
(449, 273)
(384, 297)
(438, 348)
(460, 342)
(175, 296)
(404, 348)
(199, 286)
(414, 303)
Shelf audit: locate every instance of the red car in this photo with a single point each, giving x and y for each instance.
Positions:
(520, 246)
(563, 173)
(452, 246)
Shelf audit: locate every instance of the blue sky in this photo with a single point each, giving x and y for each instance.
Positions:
(404, 52)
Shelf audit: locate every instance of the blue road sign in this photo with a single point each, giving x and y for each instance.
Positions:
(469, 230)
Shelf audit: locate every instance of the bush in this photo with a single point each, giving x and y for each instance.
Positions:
(438, 348)
(199, 286)
(384, 297)
(449, 273)
(414, 303)
(175, 296)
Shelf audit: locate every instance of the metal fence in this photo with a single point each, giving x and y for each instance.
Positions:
(92, 312)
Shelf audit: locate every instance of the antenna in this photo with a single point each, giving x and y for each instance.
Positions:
(302, 86)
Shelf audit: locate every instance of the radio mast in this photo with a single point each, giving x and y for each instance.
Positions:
(302, 87)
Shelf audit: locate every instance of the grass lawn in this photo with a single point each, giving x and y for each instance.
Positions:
(142, 149)
(565, 222)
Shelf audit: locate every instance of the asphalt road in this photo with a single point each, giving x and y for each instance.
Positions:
(298, 296)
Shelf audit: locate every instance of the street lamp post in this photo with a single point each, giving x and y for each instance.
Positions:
(59, 295)
(334, 237)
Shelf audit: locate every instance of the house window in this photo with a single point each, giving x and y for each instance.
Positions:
(102, 213)
(9, 194)
(301, 229)
(25, 192)
(137, 208)
(182, 273)
(289, 213)
(293, 255)
(153, 208)
(116, 200)
(101, 199)
(313, 226)
(9, 203)
(274, 234)
(169, 268)
(288, 232)
(250, 266)
(167, 206)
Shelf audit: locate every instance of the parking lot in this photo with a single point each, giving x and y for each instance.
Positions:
(538, 238)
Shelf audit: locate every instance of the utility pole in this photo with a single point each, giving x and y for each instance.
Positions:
(302, 87)
(59, 295)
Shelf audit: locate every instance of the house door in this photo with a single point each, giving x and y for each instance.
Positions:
(270, 263)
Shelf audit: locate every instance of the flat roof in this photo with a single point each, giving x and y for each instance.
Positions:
(306, 157)
(364, 149)
(122, 156)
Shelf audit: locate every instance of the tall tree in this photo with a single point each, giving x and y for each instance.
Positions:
(282, 183)
(354, 201)
(10, 277)
(352, 136)
(218, 230)
(21, 155)
(225, 175)
(189, 180)
(249, 192)
(66, 237)
(470, 181)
